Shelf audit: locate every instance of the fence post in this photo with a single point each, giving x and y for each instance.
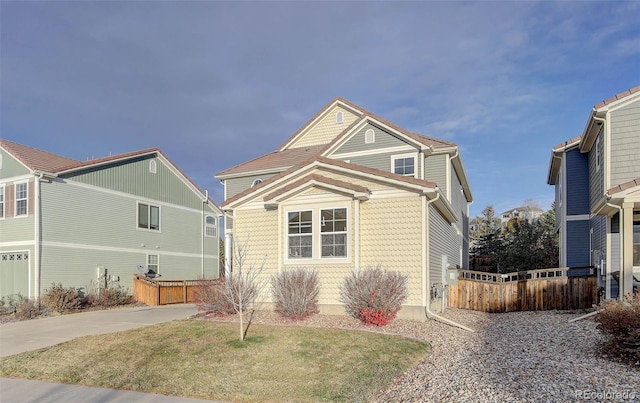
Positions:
(184, 291)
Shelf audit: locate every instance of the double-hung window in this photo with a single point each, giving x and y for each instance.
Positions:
(300, 231)
(404, 165)
(153, 263)
(148, 217)
(333, 229)
(22, 195)
(211, 229)
(317, 234)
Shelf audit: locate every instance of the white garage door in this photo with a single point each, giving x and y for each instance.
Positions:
(14, 273)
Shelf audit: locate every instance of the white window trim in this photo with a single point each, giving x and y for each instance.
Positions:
(153, 166)
(369, 136)
(16, 200)
(403, 156)
(157, 264)
(316, 236)
(256, 182)
(339, 117)
(149, 204)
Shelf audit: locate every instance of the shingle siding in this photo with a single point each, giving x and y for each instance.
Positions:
(625, 144)
(326, 129)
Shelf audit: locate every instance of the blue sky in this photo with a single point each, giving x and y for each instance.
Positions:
(214, 84)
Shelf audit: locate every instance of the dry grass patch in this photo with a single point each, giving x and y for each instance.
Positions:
(206, 360)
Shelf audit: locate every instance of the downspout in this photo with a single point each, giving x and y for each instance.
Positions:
(204, 229)
(36, 249)
(425, 264)
(621, 229)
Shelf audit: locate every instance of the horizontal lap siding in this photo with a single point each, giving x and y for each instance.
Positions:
(391, 237)
(17, 229)
(625, 144)
(379, 161)
(382, 140)
(578, 243)
(11, 167)
(88, 216)
(237, 185)
(596, 178)
(325, 130)
(443, 240)
(436, 171)
(577, 166)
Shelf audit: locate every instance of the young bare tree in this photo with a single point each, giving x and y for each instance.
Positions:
(243, 285)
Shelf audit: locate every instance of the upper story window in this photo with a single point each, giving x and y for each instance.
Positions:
(153, 166)
(148, 217)
(403, 165)
(2, 201)
(369, 136)
(211, 229)
(339, 117)
(21, 197)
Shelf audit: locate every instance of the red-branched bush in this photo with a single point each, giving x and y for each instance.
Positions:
(374, 295)
(620, 321)
(295, 293)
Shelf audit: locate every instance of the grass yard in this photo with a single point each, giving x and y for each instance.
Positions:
(206, 360)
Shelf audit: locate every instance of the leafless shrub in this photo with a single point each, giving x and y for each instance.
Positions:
(61, 299)
(295, 293)
(210, 298)
(620, 321)
(112, 295)
(27, 309)
(374, 295)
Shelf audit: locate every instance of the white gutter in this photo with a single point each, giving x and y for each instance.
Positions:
(425, 265)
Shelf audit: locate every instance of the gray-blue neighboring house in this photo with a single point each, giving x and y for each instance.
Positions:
(597, 180)
(73, 222)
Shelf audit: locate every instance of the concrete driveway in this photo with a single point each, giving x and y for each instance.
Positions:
(18, 337)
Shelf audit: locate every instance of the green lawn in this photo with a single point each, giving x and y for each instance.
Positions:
(206, 360)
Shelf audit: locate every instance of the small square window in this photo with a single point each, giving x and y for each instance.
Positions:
(404, 166)
(148, 217)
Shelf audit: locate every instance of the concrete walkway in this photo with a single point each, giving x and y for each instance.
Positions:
(18, 337)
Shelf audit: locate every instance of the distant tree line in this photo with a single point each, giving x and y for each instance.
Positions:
(520, 245)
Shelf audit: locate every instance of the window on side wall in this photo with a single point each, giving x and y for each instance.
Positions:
(403, 165)
(300, 234)
(598, 155)
(636, 240)
(211, 228)
(1, 201)
(369, 136)
(21, 197)
(153, 263)
(148, 217)
(333, 229)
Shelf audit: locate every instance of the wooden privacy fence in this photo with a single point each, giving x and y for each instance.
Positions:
(163, 292)
(534, 290)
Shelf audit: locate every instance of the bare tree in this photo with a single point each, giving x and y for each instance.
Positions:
(244, 284)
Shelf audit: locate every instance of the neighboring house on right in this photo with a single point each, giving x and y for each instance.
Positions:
(597, 181)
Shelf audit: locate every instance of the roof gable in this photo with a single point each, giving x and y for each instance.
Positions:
(36, 160)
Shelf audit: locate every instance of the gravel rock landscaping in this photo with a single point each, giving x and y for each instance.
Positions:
(511, 357)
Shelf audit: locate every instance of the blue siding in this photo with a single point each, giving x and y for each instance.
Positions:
(578, 243)
(577, 182)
